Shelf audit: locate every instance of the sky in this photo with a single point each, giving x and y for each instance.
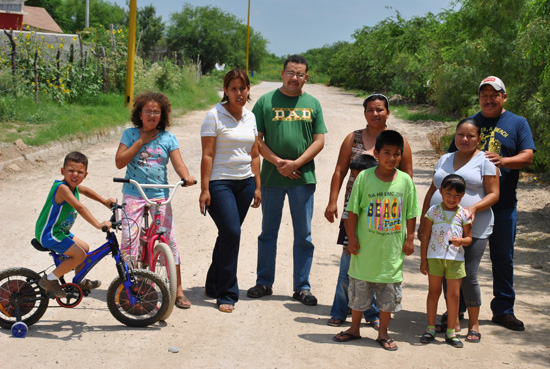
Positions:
(295, 26)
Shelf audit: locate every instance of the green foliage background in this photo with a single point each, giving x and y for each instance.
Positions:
(435, 59)
(439, 59)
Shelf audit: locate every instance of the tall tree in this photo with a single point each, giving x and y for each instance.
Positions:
(150, 29)
(213, 35)
(71, 17)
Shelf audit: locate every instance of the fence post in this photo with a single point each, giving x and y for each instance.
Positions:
(12, 54)
(82, 54)
(57, 64)
(35, 76)
(104, 68)
(113, 42)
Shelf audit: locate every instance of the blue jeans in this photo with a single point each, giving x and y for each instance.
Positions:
(340, 304)
(300, 200)
(229, 203)
(501, 247)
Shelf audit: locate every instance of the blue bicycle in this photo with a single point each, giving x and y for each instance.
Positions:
(137, 297)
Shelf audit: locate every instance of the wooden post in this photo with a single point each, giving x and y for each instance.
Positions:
(113, 42)
(13, 60)
(104, 68)
(58, 64)
(82, 56)
(35, 76)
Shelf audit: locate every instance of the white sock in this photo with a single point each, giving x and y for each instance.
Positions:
(52, 277)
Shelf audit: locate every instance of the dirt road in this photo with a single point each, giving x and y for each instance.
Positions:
(275, 331)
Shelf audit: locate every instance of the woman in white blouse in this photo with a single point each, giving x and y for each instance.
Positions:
(482, 191)
(230, 182)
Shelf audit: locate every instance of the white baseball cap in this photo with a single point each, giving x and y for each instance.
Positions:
(493, 81)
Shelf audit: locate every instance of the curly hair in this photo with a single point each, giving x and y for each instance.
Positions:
(142, 99)
(235, 74)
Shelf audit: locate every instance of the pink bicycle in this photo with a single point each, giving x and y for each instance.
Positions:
(153, 250)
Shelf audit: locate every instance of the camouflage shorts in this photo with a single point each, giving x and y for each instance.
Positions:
(388, 295)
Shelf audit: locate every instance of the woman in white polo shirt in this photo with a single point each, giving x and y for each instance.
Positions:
(230, 182)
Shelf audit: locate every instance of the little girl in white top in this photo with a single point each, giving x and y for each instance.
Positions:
(447, 228)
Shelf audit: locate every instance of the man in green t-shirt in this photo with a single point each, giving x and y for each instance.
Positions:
(291, 131)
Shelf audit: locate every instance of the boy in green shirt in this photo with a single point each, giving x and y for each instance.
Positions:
(382, 212)
(57, 217)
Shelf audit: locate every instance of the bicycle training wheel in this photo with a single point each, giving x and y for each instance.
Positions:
(164, 265)
(19, 287)
(152, 295)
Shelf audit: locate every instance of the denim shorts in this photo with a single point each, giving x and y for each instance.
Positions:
(450, 269)
(388, 295)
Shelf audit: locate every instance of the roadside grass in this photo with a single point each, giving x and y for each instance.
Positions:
(416, 113)
(45, 121)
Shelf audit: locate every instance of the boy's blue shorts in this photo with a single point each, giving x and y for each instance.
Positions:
(59, 247)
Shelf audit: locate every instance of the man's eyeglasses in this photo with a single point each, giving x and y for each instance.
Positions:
(298, 75)
(154, 113)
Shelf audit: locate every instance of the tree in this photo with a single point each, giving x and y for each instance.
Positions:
(150, 29)
(72, 14)
(214, 36)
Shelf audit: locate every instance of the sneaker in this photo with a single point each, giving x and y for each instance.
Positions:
(509, 321)
(258, 291)
(52, 287)
(87, 284)
(305, 297)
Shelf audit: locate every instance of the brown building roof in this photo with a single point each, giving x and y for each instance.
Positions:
(39, 18)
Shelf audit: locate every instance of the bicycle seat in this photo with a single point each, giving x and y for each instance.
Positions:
(37, 245)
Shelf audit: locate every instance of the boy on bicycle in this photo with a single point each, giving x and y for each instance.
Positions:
(57, 217)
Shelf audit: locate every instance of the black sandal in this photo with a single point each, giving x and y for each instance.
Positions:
(427, 337)
(454, 341)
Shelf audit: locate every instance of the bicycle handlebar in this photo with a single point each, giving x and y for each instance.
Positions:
(115, 223)
(141, 186)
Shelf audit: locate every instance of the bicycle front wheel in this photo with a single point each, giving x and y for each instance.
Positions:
(164, 265)
(152, 295)
(19, 288)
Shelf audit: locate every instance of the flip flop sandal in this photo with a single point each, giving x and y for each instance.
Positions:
(183, 302)
(345, 337)
(383, 342)
(475, 334)
(225, 309)
(335, 322)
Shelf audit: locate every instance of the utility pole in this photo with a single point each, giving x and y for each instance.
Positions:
(131, 54)
(247, 37)
(87, 16)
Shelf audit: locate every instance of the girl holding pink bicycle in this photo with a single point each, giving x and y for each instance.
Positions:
(145, 151)
(230, 182)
